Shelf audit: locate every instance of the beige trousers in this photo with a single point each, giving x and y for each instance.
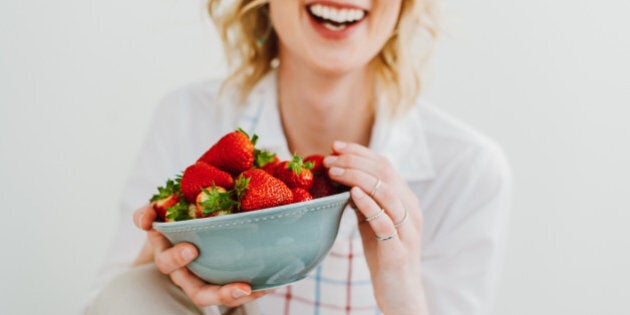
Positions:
(144, 290)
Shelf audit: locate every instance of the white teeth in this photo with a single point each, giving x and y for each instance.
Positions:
(336, 15)
(333, 27)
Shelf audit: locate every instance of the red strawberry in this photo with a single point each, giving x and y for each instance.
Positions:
(161, 206)
(295, 173)
(233, 153)
(318, 164)
(300, 194)
(167, 196)
(270, 167)
(201, 175)
(322, 187)
(256, 189)
(214, 201)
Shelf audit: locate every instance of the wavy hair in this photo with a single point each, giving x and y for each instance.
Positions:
(251, 45)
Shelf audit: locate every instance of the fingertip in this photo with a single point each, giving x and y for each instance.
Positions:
(239, 290)
(357, 193)
(147, 218)
(339, 145)
(329, 160)
(189, 252)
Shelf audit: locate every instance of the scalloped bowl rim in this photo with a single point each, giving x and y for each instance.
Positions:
(174, 226)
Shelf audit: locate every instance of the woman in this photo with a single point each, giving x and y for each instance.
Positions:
(338, 78)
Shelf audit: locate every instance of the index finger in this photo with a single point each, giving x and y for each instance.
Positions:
(143, 218)
(340, 147)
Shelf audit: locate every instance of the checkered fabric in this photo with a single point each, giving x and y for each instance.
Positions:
(340, 285)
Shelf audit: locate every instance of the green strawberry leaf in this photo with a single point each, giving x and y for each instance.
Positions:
(217, 201)
(297, 164)
(262, 158)
(179, 211)
(172, 187)
(241, 184)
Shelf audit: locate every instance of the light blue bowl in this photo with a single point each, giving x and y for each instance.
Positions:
(265, 248)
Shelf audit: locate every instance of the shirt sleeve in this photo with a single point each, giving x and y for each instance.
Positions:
(464, 247)
(153, 166)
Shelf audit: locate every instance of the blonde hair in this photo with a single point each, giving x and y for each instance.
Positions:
(251, 45)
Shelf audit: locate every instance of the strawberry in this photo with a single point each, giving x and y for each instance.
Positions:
(179, 212)
(300, 194)
(322, 187)
(233, 153)
(256, 189)
(263, 157)
(213, 201)
(200, 175)
(318, 164)
(161, 206)
(265, 160)
(167, 196)
(295, 173)
(270, 167)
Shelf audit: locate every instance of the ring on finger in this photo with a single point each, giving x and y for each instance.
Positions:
(376, 186)
(376, 216)
(386, 237)
(400, 223)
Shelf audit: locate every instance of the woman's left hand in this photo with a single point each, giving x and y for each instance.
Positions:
(392, 232)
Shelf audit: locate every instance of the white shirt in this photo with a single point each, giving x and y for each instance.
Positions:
(459, 176)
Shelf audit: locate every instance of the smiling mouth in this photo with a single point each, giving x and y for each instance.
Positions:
(334, 18)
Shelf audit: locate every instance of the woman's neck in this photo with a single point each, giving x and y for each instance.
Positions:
(318, 108)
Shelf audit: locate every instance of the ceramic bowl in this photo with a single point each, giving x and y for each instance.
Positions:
(265, 248)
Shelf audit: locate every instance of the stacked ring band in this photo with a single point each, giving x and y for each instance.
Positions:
(400, 223)
(376, 216)
(386, 237)
(376, 186)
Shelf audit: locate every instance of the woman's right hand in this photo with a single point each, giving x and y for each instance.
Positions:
(172, 260)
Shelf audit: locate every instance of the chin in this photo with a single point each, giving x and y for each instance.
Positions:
(338, 63)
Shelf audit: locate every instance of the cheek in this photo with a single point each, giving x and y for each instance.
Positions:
(385, 23)
(285, 20)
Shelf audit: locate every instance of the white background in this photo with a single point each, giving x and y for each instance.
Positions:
(547, 79)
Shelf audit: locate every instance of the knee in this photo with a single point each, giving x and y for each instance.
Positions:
(129, 290)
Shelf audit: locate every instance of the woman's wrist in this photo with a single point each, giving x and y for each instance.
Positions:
(414, 304)
(408, 297)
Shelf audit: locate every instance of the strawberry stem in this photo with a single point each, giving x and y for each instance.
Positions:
(262, 158)
(217, 201)
(241, 184)
(179, 211)
(172, 187)
(297, 164)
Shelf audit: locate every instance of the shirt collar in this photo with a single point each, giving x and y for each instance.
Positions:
(401, 139)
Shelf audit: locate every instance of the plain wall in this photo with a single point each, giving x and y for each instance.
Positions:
(547, 79)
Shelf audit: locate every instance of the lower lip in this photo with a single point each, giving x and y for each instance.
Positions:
(330, 34)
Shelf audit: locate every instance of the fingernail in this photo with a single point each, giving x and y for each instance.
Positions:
(339, 145)
(330, 160)
(357, 193)
(238, 293)
(336, 171)
(140, 219)
(188, 254)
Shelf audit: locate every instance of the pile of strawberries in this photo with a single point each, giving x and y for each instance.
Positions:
(233, 176)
